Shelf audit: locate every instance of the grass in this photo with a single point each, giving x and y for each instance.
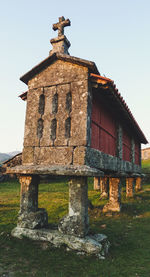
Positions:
(128, 232)
(146, 166)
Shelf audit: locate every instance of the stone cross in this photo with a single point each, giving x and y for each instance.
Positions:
(60, 25)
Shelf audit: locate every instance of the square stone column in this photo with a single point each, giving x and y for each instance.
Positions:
(114, 196)
(96, 183)
(104, 187)
(30, 216)
(129, 187)
(138, 183)
(77, 221)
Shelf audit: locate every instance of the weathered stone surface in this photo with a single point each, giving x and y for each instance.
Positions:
(79, 155)
(138, 184)
(59, 72)
(29, 215)
(145, 153)
(53, 155)
(62, 115)
(96, 183)
(129, 187)
(94, 158)
(29, 193)
(98, 159)
(104, 187)
(60, 45)
(48, 116)
(14, 161)
(136, 168)
(76, 222)
(28, 155)
(92, 245)
(70, 170)
(80, 95)
(114, 196)
(33, 220)
(32, 117)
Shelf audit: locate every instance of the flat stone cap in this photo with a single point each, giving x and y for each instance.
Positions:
(68, 170)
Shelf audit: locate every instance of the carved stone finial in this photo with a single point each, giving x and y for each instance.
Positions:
(61, 25)
(60, 44)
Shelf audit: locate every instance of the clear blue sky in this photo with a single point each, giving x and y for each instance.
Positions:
(114, 34)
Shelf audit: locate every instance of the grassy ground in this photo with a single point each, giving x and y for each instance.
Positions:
(128, 232)
(146, 166)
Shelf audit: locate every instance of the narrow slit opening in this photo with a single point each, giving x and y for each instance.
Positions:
(41, 104)
(68, 127)
(53, 129)
(40, 128)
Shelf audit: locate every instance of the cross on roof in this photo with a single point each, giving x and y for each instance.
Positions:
(60, 25)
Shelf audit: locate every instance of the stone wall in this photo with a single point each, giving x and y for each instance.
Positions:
(58, 113)
(146, 154)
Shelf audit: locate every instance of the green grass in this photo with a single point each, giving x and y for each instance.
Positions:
(128, 232)
(146, 166)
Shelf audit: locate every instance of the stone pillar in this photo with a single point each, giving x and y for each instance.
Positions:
(96, 183)
(129, 187)
(138, 183)
(104, 187)
(132, 151)
(114, 196)
(29, 215)
(119, 146)
(76, 222)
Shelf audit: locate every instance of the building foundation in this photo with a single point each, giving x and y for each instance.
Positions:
(104, 187)
(77, 221)
(129, 187)
(114, 204)
(138, 184)
(96, 183)
(30, 216)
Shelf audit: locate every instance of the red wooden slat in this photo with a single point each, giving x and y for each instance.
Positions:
(103, 129)
(137, 153)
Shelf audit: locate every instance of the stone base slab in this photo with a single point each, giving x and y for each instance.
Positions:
(92, 245)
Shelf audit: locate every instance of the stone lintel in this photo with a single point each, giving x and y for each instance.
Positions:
(110, 164)
(97, 244)
(69, 170)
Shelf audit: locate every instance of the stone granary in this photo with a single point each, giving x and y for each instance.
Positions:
(78, 125)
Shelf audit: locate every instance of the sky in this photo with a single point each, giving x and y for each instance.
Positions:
(114, 34)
